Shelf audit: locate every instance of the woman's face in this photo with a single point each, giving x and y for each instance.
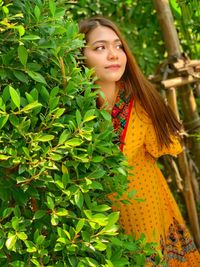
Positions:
(104, 53)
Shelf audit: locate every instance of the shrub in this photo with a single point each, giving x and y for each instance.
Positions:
(58, 161)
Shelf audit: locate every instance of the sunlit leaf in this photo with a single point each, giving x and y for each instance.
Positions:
(14, 96)
(44, 137)
(10, 242)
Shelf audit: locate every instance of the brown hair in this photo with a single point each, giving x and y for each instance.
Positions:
(163, 118)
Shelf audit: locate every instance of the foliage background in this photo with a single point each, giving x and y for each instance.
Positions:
(53, 166)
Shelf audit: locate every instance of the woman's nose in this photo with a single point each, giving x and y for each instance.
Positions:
(112, 54)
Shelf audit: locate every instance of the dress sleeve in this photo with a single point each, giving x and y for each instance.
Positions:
(153, 147)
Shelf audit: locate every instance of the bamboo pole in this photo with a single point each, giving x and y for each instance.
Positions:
(173, 48)
(179, 81)
(172, 100)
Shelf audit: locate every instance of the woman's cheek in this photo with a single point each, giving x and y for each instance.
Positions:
(88, 59)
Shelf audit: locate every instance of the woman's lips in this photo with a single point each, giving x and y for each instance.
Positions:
(113, 67)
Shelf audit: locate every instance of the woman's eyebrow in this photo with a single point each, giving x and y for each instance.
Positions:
(105, 41)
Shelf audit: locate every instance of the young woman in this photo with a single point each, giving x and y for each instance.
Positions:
(147, 129)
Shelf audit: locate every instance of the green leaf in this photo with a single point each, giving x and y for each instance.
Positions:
(117, 241)
(64, 169)
(4, 157)
(22, 77)
(113, 218)
(140, 199)
(73, 260)
(97, 174)
(74, 142)
(14, 120)
(106, 115)
(91, 262)
(59, 247)
(140, 260)
(36, 76)
(31, 106)
(44, 138)
(54, 220)
(40, 239)
(132, 193)
(89, 115)
(101, 208)
(50, 203)
(44, 93)
(30, 37)
(15, 223)
(14, 96)
(30, 97)
(97, 185)
(21, 235)
(59, 113)
(7, 212)
(97, 158)
(100, 218)
(109, 263)
(30, 246)
(80, 225)
(34, 261)
(39, 214)
(62, 240)
(78, 117)
(20, 29)
(121, 262)
(56, 157)
(110, 230)
(61, 212)
(100, 246)
(22, 54)
(18, 264)
(10, 242)
(2, 105)
(17, 211)
(3, 120)
(79, 199)
(52, 7)
(65, 179)
(5, 10)
(3, 74)
(63, 137)
(176, 8)
(37, 12)
(2, 242)
(85, 236)
(59, 184)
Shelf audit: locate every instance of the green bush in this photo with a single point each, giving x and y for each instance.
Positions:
(58, 161)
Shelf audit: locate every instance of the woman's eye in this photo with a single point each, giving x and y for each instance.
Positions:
(102, 47)
(119, 46)
(99, 48)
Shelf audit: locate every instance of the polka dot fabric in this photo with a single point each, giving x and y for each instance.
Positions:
(157, 215)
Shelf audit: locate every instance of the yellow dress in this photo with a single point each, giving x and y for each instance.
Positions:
(158, 216)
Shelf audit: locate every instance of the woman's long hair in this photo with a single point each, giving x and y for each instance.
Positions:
(136, 84)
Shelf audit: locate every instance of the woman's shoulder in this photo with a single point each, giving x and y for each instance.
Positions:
(140, 112)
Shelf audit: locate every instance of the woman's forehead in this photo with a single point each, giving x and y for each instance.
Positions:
(102, 33)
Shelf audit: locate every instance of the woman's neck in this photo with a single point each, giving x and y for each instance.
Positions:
(110, 91)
